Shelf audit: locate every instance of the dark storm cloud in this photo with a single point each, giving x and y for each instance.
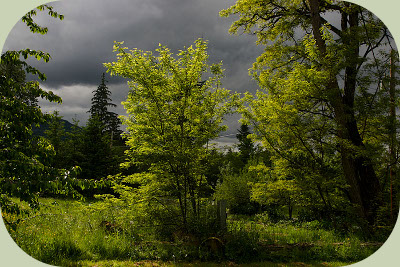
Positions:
(84, 39)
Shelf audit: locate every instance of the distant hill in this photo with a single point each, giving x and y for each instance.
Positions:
(39, 131)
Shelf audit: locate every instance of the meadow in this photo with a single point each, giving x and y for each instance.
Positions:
(74, 233)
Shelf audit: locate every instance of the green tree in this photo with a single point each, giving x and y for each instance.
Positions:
(379, 129)
(175, 107)
(55, 134)
(314, 71)
(25, 160)
(101, 101)
(246, 146)
(73, 145)
(15, 70)
(97, 159)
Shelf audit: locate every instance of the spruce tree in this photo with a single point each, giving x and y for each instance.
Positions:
(101, 100)
(246, 145)
(97, 161)
(101, 131)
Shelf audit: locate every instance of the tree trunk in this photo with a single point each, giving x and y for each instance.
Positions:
(182, 207)
(290, 206)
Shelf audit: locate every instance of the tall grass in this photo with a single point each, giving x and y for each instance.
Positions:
(71, 230)
(287, 241)
(67, 231)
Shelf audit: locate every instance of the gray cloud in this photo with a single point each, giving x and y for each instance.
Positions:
(83, 41)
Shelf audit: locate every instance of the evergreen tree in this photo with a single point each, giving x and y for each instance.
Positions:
(55, 134)
(97, 161)
(102, 129)
(246, 145)
(73, 145)
(100, 103)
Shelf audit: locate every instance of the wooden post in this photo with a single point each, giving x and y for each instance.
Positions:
(221, 213)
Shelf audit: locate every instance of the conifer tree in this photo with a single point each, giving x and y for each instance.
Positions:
(55, 134)
(73, 145)
(99, 134)
(97, 161)
(246, 145)
(101, 100)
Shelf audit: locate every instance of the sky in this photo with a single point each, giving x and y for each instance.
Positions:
(83, 41)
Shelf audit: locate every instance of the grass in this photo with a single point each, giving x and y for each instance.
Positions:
(70, 233)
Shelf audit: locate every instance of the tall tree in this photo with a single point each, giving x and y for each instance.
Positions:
(313, 70)
(99, 134)
(172, 114)
(101, 101)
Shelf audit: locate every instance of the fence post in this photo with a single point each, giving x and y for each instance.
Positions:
(221, 213)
